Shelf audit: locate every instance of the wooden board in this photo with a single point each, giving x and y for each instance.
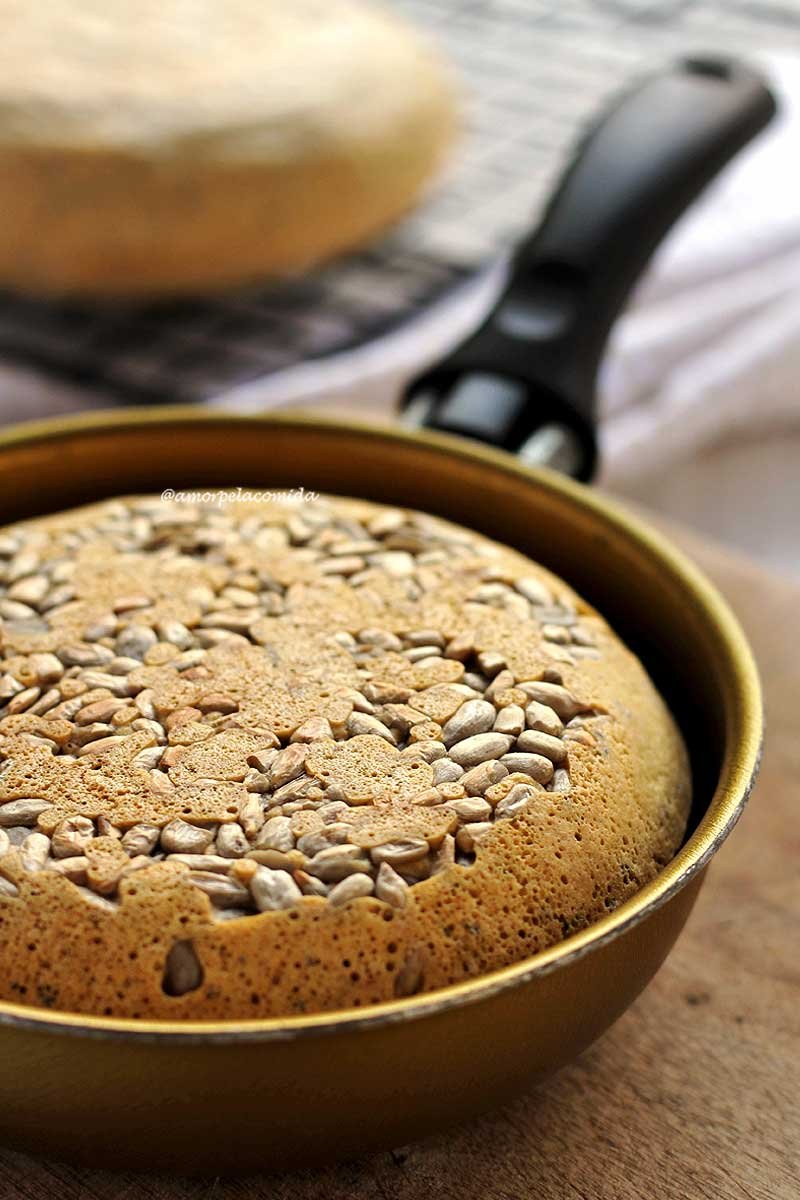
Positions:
(694, 1094)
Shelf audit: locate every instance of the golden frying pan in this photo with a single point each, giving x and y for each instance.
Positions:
(213, 1097)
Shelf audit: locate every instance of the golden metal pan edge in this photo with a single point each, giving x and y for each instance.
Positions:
(736, 778)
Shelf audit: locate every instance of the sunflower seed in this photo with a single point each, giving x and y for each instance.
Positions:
(102, 745)
(400, 851)
(231, 841)
(390, 887)
(555, 696)
(409, 979)
(74, 869)
(71, 837)
(532, 741)
(240, 597)
(100, 711)
(288, 764)
(251, 816)
(274, 890)
(332, 812)
(175, 633)
(557, 614)
(183, 971)
(473, 750)
(381, 691)
(386, 522)
(429, 798)
(313, 730)
(276, 835)
(398, 563)
(12, 610)
(362, 723)
(580, 735)
(9, 686)
(350, 889)
(513, 801)
(543, 718)
(135, 640)
(535, 765)
(46, 668)
(194, 658)
(23, 812)
(478, 683)
(533, 590)
(298, 791)
(490, 663)
(84, 655)
(31, 590)
(419, 653)
(148, 759)
(46, 703)
(103, 627)
(23, 563)
(426, 637)
(35, 851)
(428, 749)
(337, 862)
(476, 781)
(179, 837)
(218, 702)
(262, 760)
(561, 780)
(23, 700)
(207, 863)
(118, 685)
(382, 638)
(309, 885)
(222, 891)
(125, 604)
(258, 782)
(335, 834)
(106, 829)
(510, 720)
(140, 839)
(468, 836)
(489, 593)
(446, 771)
(474, 808)
(517, 605)
(231, 620)
(143, 702)
(473, 717)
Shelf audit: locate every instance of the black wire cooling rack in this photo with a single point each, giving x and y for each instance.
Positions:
(533, 72)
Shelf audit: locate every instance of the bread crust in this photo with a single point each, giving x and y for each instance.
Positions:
(560, 861)
(143, 155)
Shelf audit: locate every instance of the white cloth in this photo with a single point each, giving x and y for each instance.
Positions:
(710, 347)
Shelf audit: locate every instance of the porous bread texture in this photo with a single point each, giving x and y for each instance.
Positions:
(560, 862)
(164, 147)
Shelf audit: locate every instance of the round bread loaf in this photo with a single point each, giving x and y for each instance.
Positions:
(166, 147)
(278, 758)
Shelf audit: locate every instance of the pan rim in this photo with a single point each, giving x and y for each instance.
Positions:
(743, 749)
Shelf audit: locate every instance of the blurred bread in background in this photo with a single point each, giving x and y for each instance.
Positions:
(163, 147)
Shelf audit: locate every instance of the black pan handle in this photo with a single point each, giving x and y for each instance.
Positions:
(525, 380)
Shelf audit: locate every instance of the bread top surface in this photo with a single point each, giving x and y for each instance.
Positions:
(271, 759)
(245, 80)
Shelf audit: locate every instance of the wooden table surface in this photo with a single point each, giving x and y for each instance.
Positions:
(695, 1092)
